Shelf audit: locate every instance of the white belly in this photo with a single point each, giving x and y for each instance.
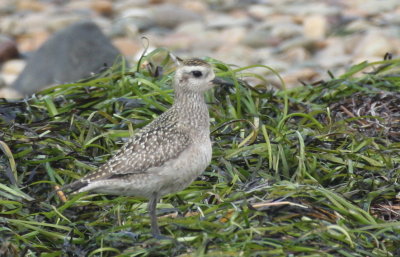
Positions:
(181, 172)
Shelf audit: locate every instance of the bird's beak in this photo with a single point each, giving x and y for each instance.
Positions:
(221, 82)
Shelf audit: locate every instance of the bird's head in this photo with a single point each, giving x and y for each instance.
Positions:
(194, 75)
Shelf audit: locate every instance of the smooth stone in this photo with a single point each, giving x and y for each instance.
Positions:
(29, 42)
(257, 38)
(126, 46)
(315, 27)
(334, 53)
(373, 44)
(13, 67)
(140, 17)
(64, 59)
(8, 49)
(261, 12)
(286, 30)
(9, 93)
(170, 15)
(309, 8)
(223, 21)
(103, 7)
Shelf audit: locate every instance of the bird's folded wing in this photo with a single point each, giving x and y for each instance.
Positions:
(147, 149)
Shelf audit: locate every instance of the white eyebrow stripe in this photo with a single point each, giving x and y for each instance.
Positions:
(188, 69)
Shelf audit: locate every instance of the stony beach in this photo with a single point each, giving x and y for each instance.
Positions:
(301, 40)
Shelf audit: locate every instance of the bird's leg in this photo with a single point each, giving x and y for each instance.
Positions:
(155, 230)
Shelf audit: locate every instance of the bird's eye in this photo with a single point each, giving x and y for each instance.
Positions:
(197, 73)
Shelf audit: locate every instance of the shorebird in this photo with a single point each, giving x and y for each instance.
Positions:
(166, 155)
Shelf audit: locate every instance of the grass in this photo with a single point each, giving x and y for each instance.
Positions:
(304, 172)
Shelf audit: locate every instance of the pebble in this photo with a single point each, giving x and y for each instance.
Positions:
(372, 7)
(223, 21)
(315, 27)
(261, 12)
(301, 39)
(28, 5)
(13, 67)
(333, 54)
(170, 15)
(8, 49)
(9, 93)
(196, 6)
(374, 44)
(30, 42)
(103, 7)
(300, 75)
(257, 38)
(127, 46)
(286, 30)
(358, 25)
(8, 7)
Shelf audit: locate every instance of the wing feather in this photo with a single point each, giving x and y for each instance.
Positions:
(149, 148)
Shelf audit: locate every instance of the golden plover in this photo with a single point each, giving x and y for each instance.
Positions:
(166, 155)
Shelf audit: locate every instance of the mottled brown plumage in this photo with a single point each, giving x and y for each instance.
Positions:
(166, 155)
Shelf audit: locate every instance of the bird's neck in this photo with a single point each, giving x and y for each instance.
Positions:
(191, 107)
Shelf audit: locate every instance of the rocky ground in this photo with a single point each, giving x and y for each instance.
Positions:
(301, 39)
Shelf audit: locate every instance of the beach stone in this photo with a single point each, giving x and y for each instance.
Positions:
(64, 59)
(123, 5)
(64, 20)
(103, 7)
(293, 43)
(334, 53)
(257, 38)
(8, 79)
(373, 44)
(80, 5)
(13, 66)
(10, 93)
(29, 42)
(315, 27)
(8, 7)
(261, 55)
(126, 46)
(232, 36)
(15, 26)
(8, 49)
(223, 21)
(260, 11)
(29, 5)
(192, 27)
(358, 25)
(299, 8)
(286, 30)
(377, 6)
(140, 17)
(170, 15)
(195, 6)
(295, 76)
(296, 55)
(3, 84)
(239, 55)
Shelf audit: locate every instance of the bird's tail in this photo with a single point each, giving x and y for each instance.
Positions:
(68, 189)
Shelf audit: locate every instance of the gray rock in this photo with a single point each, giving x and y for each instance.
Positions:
(140, 17)
(225, 21)
(7, 7)
(257, 38)
(170, 15)
(71, 54)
